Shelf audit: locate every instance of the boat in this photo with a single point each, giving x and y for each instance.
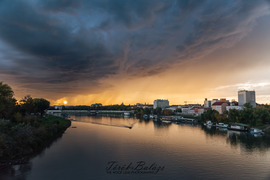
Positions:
(256, 131)
(145, 116)
(221, 125)
(238, 127)
(126, 114)
(167, 122)
(93, 113)
(208, 123)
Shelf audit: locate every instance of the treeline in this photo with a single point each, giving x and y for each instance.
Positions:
(24, 130)
(16, 111)
(252, 116)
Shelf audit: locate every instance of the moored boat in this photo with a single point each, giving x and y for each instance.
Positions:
(127, 114)
(208, 123)
(221, 125)
(256, 131)
(238, 127)
(145, 116)
(166, 122)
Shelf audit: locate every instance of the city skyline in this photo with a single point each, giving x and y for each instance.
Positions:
(111, 52)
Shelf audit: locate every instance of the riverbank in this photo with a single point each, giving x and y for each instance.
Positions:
(20, 141)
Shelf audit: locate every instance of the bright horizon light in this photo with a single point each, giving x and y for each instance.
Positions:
(65, 102)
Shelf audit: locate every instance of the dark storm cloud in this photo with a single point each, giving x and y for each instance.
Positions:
(71, 44)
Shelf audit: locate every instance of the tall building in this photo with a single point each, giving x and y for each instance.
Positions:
(245, 96)
(207, 103)
(162, 103)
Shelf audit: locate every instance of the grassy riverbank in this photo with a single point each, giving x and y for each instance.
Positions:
(25, 139)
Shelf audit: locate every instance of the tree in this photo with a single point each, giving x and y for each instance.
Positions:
(40, 105)
(247, 115)
(234, 115)
(248, 106)
(147, 111)
(27, 105)
(261, 115)
(167, 112)
(157, 111)
(7, 101)
(211, 115)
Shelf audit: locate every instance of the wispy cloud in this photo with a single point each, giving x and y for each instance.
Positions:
(247, 86)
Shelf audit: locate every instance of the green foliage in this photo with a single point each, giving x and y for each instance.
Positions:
(211, 115)
(21, 139)
(249, 115)
(40, 105)
(167, 112)
(17, 117)
(248, 106)
(27, 105)
(22, 133)
(36, 105)
(157, 111)
(262, 115)
(234, 115)
(7, 102)
(147, 111)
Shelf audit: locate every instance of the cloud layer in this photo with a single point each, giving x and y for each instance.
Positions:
(71, 46)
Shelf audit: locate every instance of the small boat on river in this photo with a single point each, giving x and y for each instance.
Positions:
(221, 125)
(255, 131)
(208, 123)
(238, 127)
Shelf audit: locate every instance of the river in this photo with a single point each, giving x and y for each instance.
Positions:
(128, 148)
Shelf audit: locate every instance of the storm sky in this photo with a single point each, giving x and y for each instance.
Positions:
(114, 51)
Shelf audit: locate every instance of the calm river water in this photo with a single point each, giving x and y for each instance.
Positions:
(105, 148)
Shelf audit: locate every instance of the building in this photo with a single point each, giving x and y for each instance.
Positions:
(185, 109)
(214, 100)
(245, 96)
(207, 103)
(172, 108)
(162, 103)
(220, 107)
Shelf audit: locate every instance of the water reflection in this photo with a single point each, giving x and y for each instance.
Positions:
(20, 171)
(159, 124)
(244, 139)
(187, 151)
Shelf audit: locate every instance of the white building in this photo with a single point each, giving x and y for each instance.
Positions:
(245, 96)
(207, 103)
(234, 107)
(162, 103)
(185, 109)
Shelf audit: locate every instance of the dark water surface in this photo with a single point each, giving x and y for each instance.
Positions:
(178, 151)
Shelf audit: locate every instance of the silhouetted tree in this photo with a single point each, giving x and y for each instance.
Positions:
(40, 105)
(7, 101)
(27, 105)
